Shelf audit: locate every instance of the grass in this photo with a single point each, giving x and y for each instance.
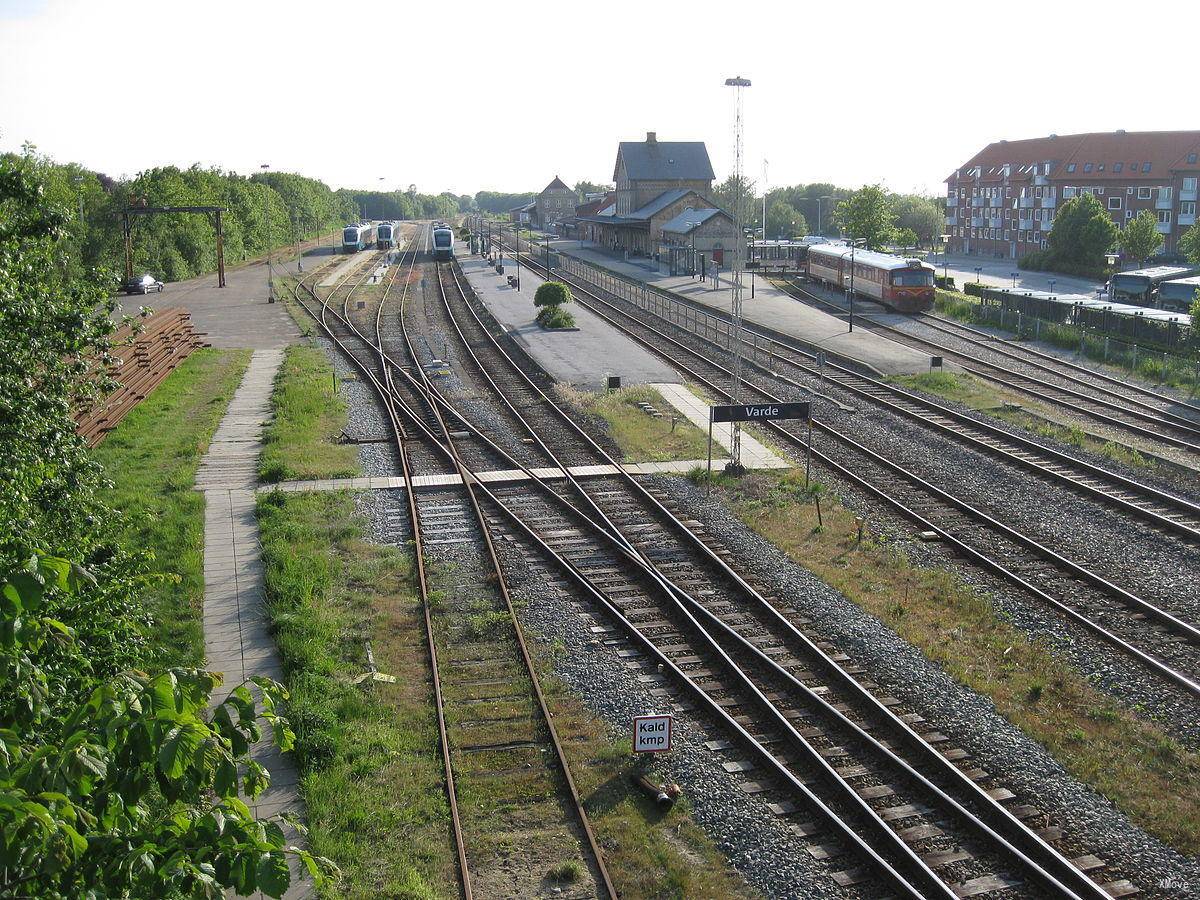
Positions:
(309, 415)
(151, 458)
(1138, 766)
(370, 768)
(642, 437)
(977, 394)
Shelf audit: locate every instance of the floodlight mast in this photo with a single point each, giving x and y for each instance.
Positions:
(735, 443)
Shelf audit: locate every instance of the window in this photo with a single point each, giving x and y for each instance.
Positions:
(1133, 167)
(1143, 193)
(1087, 167)
(1129, 190)
(1100, 168)
(1145, 167)
(1068, 192)
(1164, 217)
(1007, 236)
(1192, 159)
(1114, 202)
(1129, 214)
(1189, 184)
(1164, 193)
(1187, 208)
(1117, 167)
(1037, 191)
(1070, 167)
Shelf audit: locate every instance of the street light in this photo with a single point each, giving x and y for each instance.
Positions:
(978, 269)
(1014, 278)
(267, 227)
(1052, 285)
(738, 83)
(945, 257)
(853, 247)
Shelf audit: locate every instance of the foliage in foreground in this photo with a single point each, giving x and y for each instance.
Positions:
(134, 791)
(551, 297)
(112, 782)
(1083, 232)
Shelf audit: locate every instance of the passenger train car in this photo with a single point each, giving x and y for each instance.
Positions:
(387, 235)
(443, 241)
(358, 236)
(905, 285)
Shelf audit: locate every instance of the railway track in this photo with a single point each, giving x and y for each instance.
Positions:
(499, 744)
(776, 358)
(1108, 405)
(740, 658)
(1160, 641)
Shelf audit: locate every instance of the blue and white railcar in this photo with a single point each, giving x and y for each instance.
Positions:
(358, 236)
(443, 241)
(387, 235)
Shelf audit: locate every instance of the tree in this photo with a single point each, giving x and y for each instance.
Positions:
(1140, 240)
(112, 782)
(1195, 311)
(725, 194)
(906, 238)
(921, 215)
(867, 215)
(1189, 244)
(550, 298)
(1083, 232)
(784, 220)
(588, 187)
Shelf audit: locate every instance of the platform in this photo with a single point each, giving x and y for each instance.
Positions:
(584, 358)
(771, 308)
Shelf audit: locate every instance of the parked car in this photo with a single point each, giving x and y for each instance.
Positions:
(144, 285)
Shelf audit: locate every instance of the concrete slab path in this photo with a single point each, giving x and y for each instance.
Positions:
(585, 358)
(237, 637)
(755, 455)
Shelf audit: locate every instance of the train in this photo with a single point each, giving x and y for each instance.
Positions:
(387, 235)
(1149, 287)
(905, 285)
(358, 236)
(443, 241)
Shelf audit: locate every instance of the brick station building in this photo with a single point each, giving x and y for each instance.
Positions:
(657, 182)
(555, 204)
(1002, 201)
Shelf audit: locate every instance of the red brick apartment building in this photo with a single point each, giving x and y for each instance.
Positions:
(1002, 201)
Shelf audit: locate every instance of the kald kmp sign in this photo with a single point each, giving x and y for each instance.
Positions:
(651, 734)
(760, 412)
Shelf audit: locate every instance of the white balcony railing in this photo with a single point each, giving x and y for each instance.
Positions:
(1047, 224)
(1026, 202)
(1187, 195)
(1164, 227)
(1040, 180)
(1163, 203)
(952, 201)
(978, 222)
(1049, 202)
(1189, 219)
(951, 221)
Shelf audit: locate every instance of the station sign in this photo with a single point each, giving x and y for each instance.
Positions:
(652, 734)
(935, 362)
(760, 412)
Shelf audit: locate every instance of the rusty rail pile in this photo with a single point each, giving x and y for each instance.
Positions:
(167, 338)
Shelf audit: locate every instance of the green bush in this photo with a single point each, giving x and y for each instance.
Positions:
(974, 289)
(552, 294)
(946, 284)
(555, 317)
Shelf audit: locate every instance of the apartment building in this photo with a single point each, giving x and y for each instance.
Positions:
(1002, 201)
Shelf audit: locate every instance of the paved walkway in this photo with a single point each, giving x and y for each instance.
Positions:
(754, 454)
(772, 308)
(237, 638)
(584, 358)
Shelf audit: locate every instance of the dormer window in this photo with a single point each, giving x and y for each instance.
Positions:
(1117, 167)
(1070, 167)
(1087, 167)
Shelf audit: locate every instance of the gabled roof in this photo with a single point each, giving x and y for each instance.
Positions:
(658, 160)
(592, 207)
(661, 202)
(557, 185)
(524, 207)
(1164, 150)
(692, 218)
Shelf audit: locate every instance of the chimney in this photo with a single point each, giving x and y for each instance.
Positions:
(651, 137)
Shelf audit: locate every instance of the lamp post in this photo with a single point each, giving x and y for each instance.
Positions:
(738, 83)
(1052, 280)
(518, 252)
(1014, 278)
(978, 269)
(267, 229)
(945, 254)
(853, 248)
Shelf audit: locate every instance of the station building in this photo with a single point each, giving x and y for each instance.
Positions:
(1002, 201)
(657, 183)
(554, 205)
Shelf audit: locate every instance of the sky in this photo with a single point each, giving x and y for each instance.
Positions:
(470, 96)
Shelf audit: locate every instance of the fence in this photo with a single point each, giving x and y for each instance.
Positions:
(756, 348)
(1070, 330)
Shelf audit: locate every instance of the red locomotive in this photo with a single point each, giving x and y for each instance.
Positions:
(905, 285)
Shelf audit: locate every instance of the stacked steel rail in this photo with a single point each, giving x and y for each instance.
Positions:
(148, 355)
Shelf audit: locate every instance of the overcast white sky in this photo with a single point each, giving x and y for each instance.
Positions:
(467, 96)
